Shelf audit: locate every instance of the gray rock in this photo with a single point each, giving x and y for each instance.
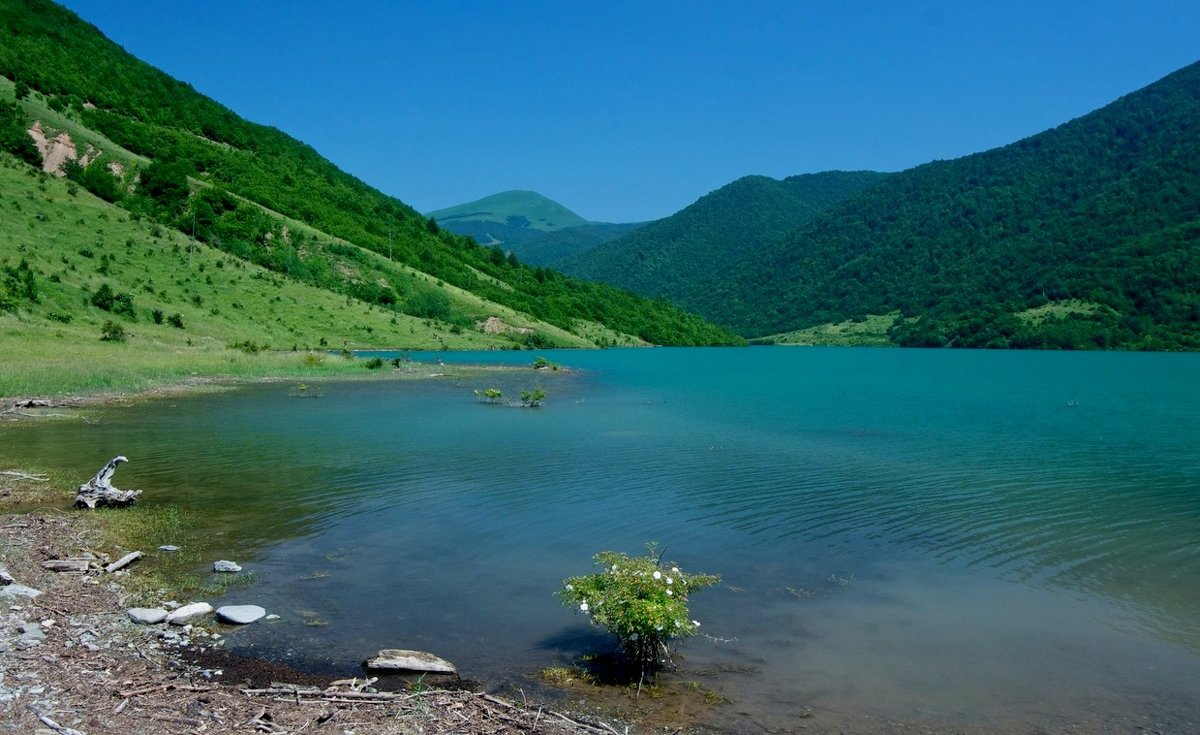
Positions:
(18, 590)
(272, 616)
(168, 547)
(31, 632)
(5, 577)
(397, 659)
(189, 613)
(240, 614)
(147, 615)
(226, 566)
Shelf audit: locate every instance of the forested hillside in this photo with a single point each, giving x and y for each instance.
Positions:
(1084, 236)
(164, 152)
(686, 255)
(551, 249)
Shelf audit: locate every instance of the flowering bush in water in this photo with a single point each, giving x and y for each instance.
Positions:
(643, 601)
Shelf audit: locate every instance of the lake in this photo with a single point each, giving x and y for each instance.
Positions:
(958, 538)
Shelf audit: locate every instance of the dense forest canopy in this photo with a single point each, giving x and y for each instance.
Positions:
(684, 255)
(1084, 236)
(1103, 210)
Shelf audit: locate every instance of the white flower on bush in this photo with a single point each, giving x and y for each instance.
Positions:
(643, 617)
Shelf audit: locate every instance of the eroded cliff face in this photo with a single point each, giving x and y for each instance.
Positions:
(58, 150)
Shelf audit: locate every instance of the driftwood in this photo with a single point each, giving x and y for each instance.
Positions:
(124, 561)
(24, 476)
(61, 730)
(67, 565)
(33, 403)
(490, 706)
(99, 491)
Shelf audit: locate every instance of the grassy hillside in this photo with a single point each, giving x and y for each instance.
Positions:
(183, 307)
(1103, 212)
(262, 197)
(682, 257)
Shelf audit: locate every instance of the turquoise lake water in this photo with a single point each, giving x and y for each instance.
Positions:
(1007, 539)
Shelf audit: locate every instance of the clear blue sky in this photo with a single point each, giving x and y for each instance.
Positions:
(628, 111)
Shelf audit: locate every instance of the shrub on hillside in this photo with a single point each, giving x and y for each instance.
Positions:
(118, 303)
(16, 285)
(112, 332)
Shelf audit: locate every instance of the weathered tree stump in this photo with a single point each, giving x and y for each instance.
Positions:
(98, 491)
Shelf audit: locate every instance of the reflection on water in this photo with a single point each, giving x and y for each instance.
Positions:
(960, 536)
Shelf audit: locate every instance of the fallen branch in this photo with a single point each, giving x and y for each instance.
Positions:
(602, 727)
(67, 565)
(52, 724)
(164, 688)
(33, 403)
(24, 476)
(608, 729)
(189, 721)
(124, 561)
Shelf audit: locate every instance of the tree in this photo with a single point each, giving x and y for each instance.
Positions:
(166, 184)
(13, 137)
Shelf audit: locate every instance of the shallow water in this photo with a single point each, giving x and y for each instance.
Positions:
(989, 538)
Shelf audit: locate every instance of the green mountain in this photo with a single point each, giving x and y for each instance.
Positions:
(683, 256)
(552, 248)
(507, 218)
(157, 152)
(1083, 236)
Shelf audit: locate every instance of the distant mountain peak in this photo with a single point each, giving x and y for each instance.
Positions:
(515, 208)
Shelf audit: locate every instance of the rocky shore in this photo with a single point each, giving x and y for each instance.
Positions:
(73, 661)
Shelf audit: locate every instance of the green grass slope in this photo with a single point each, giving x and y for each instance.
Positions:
(682, 257)
(184, 307)
(1102, 211)
(262, 197)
